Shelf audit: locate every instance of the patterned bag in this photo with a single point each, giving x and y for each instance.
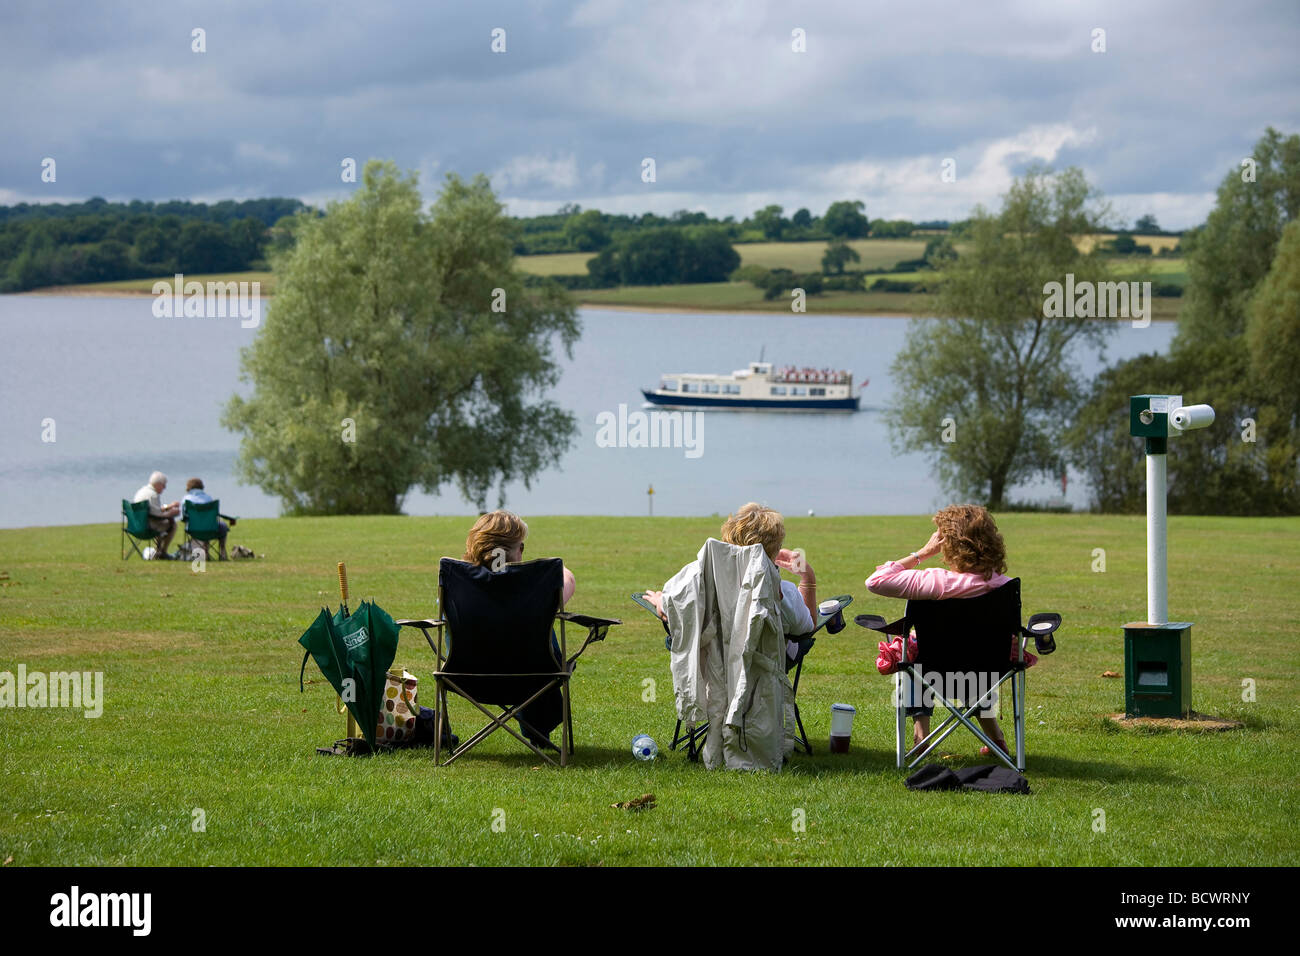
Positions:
(398, 711)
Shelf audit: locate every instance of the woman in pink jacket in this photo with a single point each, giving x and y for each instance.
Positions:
(976, 560)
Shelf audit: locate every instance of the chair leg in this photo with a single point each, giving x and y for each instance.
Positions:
(803, 736)
(440, 701)
(901, 711)
(1018, 706)
(566, 732)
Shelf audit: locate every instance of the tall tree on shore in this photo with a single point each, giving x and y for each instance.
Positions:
(983, 391)
(402, 349)
(1236, 349)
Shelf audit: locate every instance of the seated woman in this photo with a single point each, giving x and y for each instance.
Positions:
(497, 539)
(976, 559)
(754, 524)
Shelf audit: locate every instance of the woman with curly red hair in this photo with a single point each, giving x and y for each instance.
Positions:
(976, 559)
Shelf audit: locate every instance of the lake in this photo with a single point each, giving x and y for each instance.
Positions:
(123, 393)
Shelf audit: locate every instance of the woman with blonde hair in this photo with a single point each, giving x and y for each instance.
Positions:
(976, 559)
(755, 524)
(496, 540)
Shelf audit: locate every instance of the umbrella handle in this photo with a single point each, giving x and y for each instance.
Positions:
(343, 585)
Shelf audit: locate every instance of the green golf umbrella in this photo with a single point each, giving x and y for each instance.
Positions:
(354, 653)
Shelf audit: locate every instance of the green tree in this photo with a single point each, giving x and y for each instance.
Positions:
(383, 364)
(1273, 340)
(769, 220)
(984, 391)
(1235, 350)
(838, 254)
(710, 256)
(802, 219)
(846, 220)
(586, 231)
(939, 252)
(1234, 249)
(1146, 226)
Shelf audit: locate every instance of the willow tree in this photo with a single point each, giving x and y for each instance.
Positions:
(402, 350)
(985, 390)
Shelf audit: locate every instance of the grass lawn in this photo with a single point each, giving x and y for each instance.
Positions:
(202, 710)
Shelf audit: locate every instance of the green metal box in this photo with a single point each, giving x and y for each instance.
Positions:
(1158, 669)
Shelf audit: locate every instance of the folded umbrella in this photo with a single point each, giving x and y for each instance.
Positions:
(353, 652)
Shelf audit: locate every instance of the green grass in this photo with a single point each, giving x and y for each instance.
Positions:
(203, 710)
(737, 296)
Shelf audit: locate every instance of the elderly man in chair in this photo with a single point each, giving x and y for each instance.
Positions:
(162, 518)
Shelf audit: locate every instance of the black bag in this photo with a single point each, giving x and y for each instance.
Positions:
(985, 777)
(426, 725)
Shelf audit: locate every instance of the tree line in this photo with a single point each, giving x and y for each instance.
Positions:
(98, 241)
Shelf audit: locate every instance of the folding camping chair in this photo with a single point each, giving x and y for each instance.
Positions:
(494, 646)
(135, 524)
(202, 521)
(965, 642)
(693, 736)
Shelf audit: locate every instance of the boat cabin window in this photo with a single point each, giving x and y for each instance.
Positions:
(798, 390)
(690, 387)
(731, 389)
(711, 387)
(778, 389)
(816, 391)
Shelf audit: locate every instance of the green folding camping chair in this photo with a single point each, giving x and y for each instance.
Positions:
(203, 521)
(135, 526)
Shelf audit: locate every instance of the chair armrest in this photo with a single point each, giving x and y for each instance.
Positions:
(596, 629)
(422, 624)
(1044, 622)
(874, 622)
(584, 620)
(1040, 628)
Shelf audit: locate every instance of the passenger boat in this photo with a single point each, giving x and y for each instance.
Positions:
(762, 386)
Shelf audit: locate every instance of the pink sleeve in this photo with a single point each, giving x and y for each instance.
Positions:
(891, 579)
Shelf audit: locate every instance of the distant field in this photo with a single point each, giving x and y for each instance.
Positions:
(742, 296)
(807, 256)
(145, 286)
(797, 256)
(1155, 242)
(731, 296)
(556, 264)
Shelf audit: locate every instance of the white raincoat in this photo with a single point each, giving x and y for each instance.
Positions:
(728, 654)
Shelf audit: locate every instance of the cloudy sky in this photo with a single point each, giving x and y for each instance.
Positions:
(712, 90)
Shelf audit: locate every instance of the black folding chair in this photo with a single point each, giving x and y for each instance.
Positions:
(494, 648)
(694, 734)
(965, 646)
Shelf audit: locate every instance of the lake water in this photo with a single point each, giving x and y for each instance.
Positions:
(128, 393)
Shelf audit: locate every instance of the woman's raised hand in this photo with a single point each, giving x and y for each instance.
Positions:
(932, 547)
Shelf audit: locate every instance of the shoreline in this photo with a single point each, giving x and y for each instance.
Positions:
(80, 292)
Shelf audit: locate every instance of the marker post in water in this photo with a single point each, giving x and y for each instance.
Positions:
(1158, 652)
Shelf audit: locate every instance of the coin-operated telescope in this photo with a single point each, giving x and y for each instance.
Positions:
(1158, 653)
